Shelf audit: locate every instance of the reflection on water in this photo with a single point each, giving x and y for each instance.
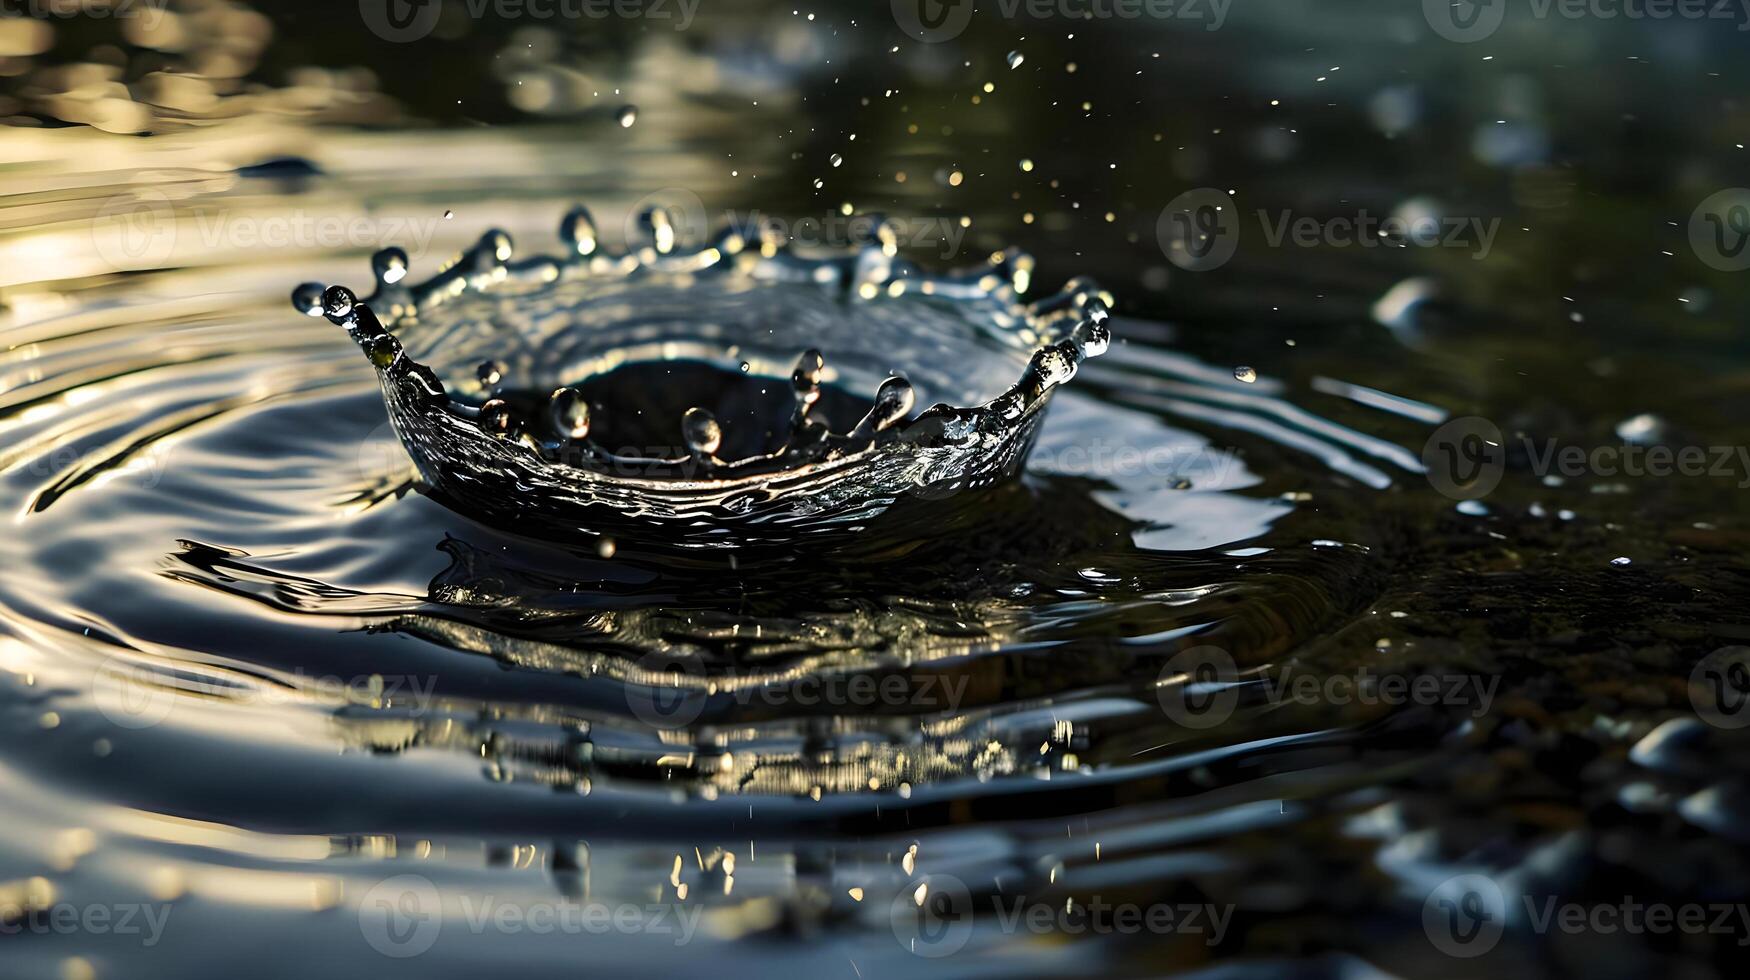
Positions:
(263, 685)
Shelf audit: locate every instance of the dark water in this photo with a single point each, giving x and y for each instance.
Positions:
(268, 696)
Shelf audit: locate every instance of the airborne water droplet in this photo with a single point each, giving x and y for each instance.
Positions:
(837, 159)
(1015, 59)
(1246, 374)
(627, 115)
(490, 373)
(308, 298)
(570, 413)
(701, 431)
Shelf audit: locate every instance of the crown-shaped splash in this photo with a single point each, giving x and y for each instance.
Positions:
(531, 391)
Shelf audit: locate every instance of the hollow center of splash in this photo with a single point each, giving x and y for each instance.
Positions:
(634, 407)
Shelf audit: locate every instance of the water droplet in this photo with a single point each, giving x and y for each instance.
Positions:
(578, 231)
(836, 159)
(818, 183)
(490, 373)
(627, 115)
(308, 298)
(1095, 337)
(701, 431)
(893, 402)
(606, 547)
(806, 378)
(1054, 365)
(1246, 374)
(449, 214)
(382, 350)
(390, 265)
(496, 245)
(1644, 429)
(570, 413)
(495, 418)
(1620, 561)
(337, 302)
(1015, 59)
(746, 367)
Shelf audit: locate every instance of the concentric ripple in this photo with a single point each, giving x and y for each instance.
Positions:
(265, 668)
